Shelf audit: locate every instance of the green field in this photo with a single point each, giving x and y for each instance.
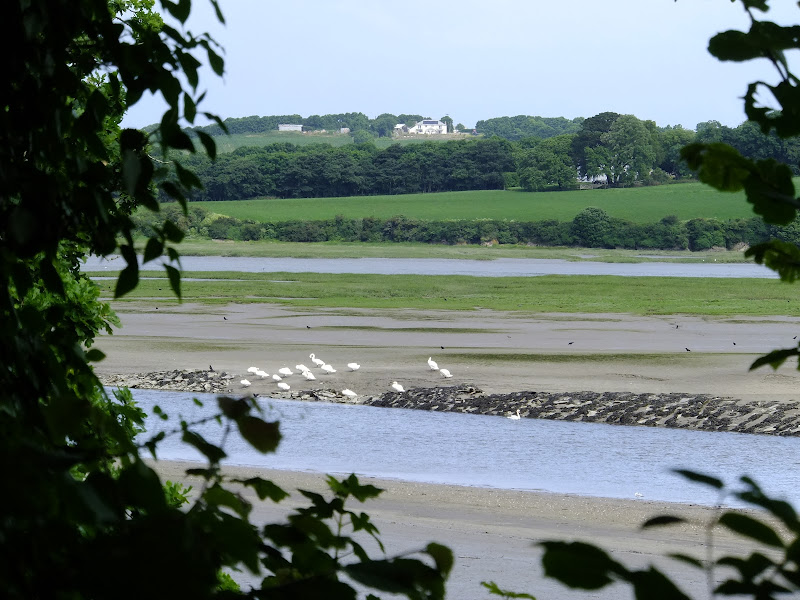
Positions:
(639, 205)
(554, 293)
(229, 143)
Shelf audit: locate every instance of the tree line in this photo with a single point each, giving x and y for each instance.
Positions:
(321, 170)
(591, 228)
(607, 149)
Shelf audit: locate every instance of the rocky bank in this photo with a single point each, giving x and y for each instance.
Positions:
(688, 411)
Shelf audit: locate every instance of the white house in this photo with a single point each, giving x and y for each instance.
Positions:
(289, 127)
(429, 127)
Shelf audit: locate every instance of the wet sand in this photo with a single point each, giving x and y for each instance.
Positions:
(490, 531)
(496, 352)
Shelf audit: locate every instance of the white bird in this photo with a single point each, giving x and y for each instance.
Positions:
(245, 383)
(397, 387)
(252, 369)
(432, 364)
(309, 375)
(445, 373)
(277, 377)
(317, 361)
(349, 393)
(354, 366)
(301, 367)
(283, 386)
(285, 371)
(328, 369)
(638, 495)
(262, 374)
(515, 417)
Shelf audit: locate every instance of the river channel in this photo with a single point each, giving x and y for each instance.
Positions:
(501, 267)
(486, 451)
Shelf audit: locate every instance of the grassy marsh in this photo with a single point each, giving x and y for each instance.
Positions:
(547, 294)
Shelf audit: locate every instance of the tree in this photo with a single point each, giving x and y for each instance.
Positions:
(627, 152)
(589, 139)
(448, 120)
(548, 164)
(83, 516)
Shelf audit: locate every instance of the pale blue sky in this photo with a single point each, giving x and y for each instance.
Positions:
(476, 59)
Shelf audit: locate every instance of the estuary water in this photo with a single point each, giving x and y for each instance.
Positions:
(475, 450)
(501, 267)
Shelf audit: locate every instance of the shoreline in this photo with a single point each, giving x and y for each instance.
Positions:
(701, 412)
(492, 532)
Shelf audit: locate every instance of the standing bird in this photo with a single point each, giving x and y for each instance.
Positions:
(245, 383)
(277, 377)
(354, 366)
(284, 386)
(317, 361)
(397, 387)
(309, 375)
(301, 367)
(328, 369)
(262, 374)
(285, 371)
(252, 369)
(515, 417)
(432, 364)
(349, 393)
(445, 373)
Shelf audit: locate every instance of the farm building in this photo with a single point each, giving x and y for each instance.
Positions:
(289, 127)
(429, 127)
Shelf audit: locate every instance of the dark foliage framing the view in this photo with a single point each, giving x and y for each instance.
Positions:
(772, 568)
(81, 514)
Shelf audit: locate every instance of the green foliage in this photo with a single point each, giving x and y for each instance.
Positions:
(770, 570)
(83, 515)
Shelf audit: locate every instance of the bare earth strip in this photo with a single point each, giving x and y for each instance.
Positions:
(491, 531)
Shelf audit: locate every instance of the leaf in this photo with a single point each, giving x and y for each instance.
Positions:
(173, 233)
(213, 453)
(442, 556)
(654, 585)
(497, 591)
(662, 520)
(208, 143)
(50, 277)
(775, 358)
(261, 435)
(174, 279)
(95, 355)
(782, 257)
(127, 281)
(689, 560)
(718, 165)
(579, 565)
(752, 528)
(352, 487)
(153, 249)
(404, 576)
(217, 495)
(700, 478)
(216, 61)
(264, 488)
(233, 408)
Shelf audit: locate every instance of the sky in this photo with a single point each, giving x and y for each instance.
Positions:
(475, 60)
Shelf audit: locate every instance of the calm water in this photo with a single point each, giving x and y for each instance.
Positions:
(501, 267)
(475, 450)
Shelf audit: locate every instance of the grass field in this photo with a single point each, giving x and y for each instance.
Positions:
(555, 293)
(639, 205)
(229, 143)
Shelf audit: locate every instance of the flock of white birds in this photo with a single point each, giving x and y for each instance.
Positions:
(326, 368)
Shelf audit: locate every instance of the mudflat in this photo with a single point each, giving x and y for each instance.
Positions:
(493, 351)
(492, 532)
